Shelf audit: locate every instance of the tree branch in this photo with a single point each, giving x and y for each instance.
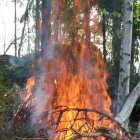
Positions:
(103, 132)
(129, 105)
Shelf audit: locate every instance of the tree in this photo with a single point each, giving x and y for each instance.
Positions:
(116, 42)
(37, 16)
(46, 32)
(125, 54)
(15, 29)
(21, 40)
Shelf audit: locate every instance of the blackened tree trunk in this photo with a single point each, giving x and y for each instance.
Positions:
(125, 54)
(116, 43)
(15, 30)
(46, 27)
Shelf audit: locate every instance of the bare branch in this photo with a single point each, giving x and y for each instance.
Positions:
(103, 132)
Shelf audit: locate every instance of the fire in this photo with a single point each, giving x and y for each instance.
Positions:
(79, 81)
(30, 84)
(76, 90)
(73, 94)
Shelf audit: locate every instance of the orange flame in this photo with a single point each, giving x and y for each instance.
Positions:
(29, 86)
(79, 81)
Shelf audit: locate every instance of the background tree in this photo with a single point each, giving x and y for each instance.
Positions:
(15, 29)
(125, 54)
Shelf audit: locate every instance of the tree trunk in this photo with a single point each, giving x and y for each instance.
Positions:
(37, 28)
(116, 43)
(104, 37)
(15, 30)
(87, 21)
(21, 41)
(56, 18)
(129, 105)
(28, 35)
(125, 54)
(46, 27)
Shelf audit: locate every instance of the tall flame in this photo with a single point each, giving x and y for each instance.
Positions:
(78, 78)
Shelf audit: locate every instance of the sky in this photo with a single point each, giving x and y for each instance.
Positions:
(7, 24)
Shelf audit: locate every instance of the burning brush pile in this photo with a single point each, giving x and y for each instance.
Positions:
(69, 98)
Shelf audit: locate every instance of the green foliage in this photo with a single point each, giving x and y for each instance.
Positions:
(16, 73)
(136, 18)
(107, 5)
(137, 107)
(134, 77)
(7, 106)
(26, 133)
(4, 80)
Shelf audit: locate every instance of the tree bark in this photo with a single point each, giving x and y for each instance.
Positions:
(46, 32)
(125, 55)
(129, 105)
(116, 43)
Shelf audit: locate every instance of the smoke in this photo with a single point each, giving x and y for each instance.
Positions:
(42, 88)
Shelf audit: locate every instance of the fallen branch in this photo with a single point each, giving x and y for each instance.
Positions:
(10, 45)
(129, 105)
(103, 132)
(20, 138)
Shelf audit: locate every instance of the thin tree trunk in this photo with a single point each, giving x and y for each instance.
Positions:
(37, 27)
(116, 43)
(104, 37)
(21, 41)
(28, 35)
(75, 21)
(87, 21)
(56, 18)
(125, 54)
(13, 42)
(15, 30)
